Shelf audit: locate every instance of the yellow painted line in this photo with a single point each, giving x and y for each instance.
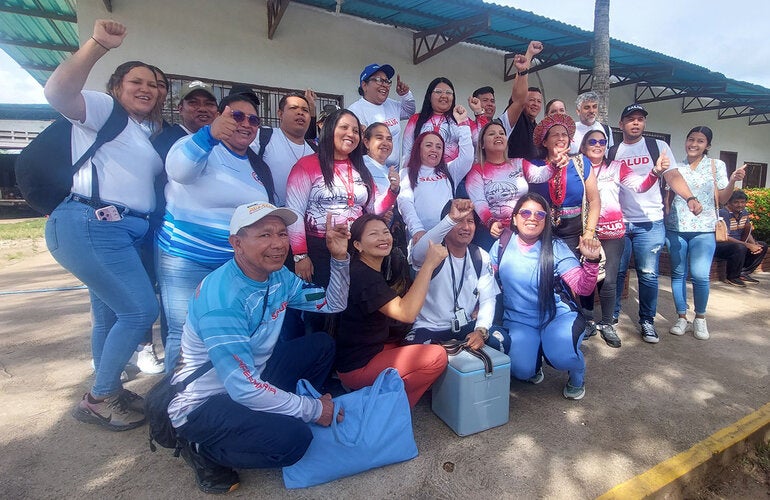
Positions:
(651, 481)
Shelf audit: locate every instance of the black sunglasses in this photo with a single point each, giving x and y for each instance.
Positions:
(239, 116)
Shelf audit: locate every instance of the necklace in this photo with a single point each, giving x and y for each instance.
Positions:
(291, 148)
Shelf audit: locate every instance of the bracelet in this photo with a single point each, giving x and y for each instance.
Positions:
(100, 44)
(484, 333)
(688, 200)
(593, 261)
(522, 73)
(592, 229)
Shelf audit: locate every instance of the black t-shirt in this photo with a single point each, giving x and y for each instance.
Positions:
(363, 330)
(520, 143)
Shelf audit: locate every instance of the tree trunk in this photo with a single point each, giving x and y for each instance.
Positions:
(601, 75)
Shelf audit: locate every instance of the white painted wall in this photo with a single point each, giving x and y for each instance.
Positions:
(227, 40)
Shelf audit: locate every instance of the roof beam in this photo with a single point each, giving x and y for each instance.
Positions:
(707, 103)
(428, 43)
(275, 11)
(38, 67)
(553, 57)
(36, 45)
(67, 18)
(108, 5)
(654, 93)
(735, 112)
(759, 119)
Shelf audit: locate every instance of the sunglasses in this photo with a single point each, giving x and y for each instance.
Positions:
(527, 214)
(239, 116)
(594, 142)
(380, 81)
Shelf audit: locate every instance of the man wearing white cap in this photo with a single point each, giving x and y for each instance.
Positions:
(375, 105)
(243, 413)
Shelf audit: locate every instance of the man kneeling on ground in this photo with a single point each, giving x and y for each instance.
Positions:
(242, 413)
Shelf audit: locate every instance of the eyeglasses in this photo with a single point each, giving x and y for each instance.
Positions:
(438, 92)
(594, 142)
(380, 81)
(525, 213)
(239, 116)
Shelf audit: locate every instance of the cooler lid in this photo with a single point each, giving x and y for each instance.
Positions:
(464, 362)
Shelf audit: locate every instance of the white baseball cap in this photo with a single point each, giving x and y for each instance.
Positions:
(249, 213)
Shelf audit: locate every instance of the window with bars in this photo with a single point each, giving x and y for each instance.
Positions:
(268, 98)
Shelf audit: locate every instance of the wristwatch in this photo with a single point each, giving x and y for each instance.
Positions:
(691, 198)
(484, 333)
(300, 257)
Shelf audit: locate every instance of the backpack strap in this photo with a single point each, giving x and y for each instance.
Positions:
(476, 258)
(652, 148)
(205, 367)
(258, 165)
(114, 125)
(265, 133)
(505, 238)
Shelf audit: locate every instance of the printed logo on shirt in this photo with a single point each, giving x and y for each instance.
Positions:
(432, 178)
(391, 122)
(631, 162)
(278, 311)
(256, 178)
(258, 384)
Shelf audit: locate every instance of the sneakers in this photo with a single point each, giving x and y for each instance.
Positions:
(590, 329)
(736, 282)
(680, 327)
(609, 335)
(648, 332)
(132, 400)
(537, 378)
(210, 476)
(748, 279)
(113, 413)
(572, 392)
(148, 361)
(699, 329)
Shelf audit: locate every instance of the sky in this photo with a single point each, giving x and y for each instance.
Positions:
(727, 37)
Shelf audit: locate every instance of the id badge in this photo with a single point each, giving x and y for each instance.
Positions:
(459, 321)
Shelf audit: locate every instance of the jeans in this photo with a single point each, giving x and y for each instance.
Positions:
(235, 436)
(645, 240)
(104, 255)
(178, 278)
(691, 252)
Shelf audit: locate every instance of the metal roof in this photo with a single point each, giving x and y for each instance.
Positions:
(39, 34)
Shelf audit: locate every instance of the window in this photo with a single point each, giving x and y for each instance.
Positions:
(268, 98)
(756, 175)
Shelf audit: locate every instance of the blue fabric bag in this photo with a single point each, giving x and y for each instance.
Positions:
(376, 431)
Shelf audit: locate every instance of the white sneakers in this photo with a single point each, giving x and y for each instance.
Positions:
(680, 327)
(148, 361)
(697, 327)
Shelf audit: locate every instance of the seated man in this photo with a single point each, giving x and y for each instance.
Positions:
(742, 253)
(461, 298)
(242, 413)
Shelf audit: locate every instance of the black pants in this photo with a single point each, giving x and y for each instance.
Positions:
(739, 259)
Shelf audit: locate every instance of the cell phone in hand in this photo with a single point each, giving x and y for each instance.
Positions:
(108, 213)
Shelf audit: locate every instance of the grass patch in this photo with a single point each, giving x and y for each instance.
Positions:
(29, 229)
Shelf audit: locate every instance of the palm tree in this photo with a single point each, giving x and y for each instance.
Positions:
(601, 77)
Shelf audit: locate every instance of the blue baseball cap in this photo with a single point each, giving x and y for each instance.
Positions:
(374, 68)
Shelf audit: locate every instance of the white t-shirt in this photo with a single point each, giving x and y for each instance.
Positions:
(438, 310)
(581, 130)
(506, 123)
(280, 155)
(126, 166)
(647, 206)
(390, 112)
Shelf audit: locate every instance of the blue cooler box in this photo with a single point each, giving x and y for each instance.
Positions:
(467, 399)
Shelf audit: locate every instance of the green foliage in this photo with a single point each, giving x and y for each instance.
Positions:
(759, 208)
(28, 229)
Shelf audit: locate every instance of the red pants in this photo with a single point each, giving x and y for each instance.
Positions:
(419, 366)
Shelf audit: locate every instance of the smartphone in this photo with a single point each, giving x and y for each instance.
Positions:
(108, 213)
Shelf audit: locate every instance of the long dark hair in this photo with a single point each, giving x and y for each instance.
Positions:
(427, 110)
(357, 231)
(414, 163)
(546, 279)
(356, 157)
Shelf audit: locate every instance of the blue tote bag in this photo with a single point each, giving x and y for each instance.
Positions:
(376, 431)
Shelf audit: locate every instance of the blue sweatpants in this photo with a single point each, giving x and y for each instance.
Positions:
(235, 436)
(559, 341)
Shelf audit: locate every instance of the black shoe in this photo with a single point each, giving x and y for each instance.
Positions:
(210, 476)
(590, 329)
(609, 335)
(736, 282)
(748, 279)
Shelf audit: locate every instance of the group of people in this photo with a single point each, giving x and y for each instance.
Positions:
(275, 256)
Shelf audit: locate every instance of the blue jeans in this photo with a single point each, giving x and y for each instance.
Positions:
(104, 255)
(645, 240)
(178, 278)
(693, 252)
(235, 436)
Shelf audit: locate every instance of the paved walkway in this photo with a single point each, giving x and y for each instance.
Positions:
(644, 404)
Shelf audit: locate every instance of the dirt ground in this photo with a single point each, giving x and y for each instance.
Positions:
(644, 404)
(748, 477)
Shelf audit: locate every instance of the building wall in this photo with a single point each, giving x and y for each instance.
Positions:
(227, 40)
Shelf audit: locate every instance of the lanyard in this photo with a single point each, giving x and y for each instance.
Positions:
(456, 290)
(437, 126)
(350, 185)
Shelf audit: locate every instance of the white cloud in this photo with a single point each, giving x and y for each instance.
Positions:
(18, 86)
